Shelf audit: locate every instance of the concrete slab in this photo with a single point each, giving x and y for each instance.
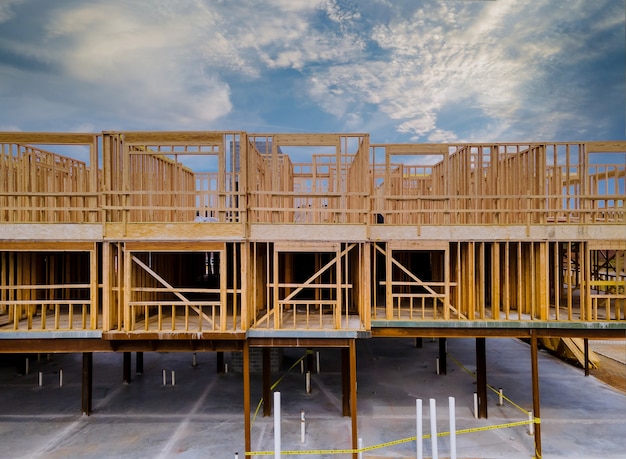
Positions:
(202, 415)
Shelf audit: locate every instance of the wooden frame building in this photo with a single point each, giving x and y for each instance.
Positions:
(148, 241)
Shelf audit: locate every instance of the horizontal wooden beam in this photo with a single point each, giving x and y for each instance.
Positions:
(52, 346)
(497, 333)
(174, 137)
(40, 246)
(175, 246)
(299, 342)
(46, 138)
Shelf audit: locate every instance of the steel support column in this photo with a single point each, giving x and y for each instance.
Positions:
(221, 365)
(267, 382)
(353, 411)
(139, 363)
(246, 396)
(481, 376)
(443, 361)
(87, 378)
(126, 378)
(536, 403)
(345, 381)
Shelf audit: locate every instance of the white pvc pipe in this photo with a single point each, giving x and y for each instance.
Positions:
(500, 397)
(40, 379)
(164, 378)
(317, 361)
(475, 405)
(531, 426)
(418, 430)
(360, 446)
(60, 378)
(173, 378)
(301, 366)
(452, 415)
(437, 360)
(433, 428)
(308, 382)
(302, 427)
(225, 368)
(276, 425)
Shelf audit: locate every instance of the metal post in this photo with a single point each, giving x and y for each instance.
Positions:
(86, 389)
(345, 381)
(418, 429)
(443, 363)
(536, 404)
(309, 360)
(452, 415)
(475, 405)
(246, 396)
(353, 411)
(481, 376)
(139, 363)
(126, 365)
(221, 366)
(433, 428)
(277, 425)
(267, 381)
(586, 349)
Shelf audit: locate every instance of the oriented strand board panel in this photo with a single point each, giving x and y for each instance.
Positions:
(497, 232)
(51, 231)
(174, 231)
(605, 146)
(313, 232)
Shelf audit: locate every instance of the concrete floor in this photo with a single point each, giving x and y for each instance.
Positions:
(202, 415)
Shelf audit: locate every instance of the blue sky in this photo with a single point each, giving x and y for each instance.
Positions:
(413, 71)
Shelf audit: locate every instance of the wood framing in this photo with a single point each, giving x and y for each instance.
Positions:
(215, 235)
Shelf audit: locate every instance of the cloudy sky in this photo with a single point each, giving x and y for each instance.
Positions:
(404, 71)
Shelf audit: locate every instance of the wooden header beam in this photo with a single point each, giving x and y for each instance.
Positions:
(47, 138)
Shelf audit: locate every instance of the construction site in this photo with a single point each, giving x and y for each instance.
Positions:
(252, 250)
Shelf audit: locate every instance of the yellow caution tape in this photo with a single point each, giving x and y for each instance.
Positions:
(395, 442)
(403, 440)
(274, 386)
(490, 387)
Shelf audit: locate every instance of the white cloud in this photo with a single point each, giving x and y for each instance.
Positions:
(6, 10)
(489, 60)
(169, 64)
